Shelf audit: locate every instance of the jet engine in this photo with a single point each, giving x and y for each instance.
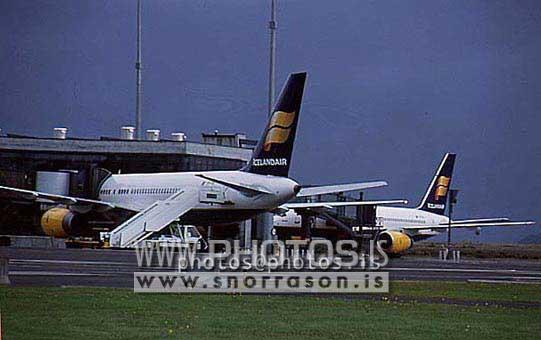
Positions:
(59, 222)
(395, 242)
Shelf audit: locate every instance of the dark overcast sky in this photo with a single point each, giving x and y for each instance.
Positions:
(392, 85)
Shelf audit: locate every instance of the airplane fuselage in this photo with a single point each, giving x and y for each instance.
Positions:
(217, 203)
(396, 218)
(389, 218)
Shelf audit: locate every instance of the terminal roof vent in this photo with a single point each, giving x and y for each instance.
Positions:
(127, 133)
(225, 139)
(60, 132)
(178, 136)
(153, 135)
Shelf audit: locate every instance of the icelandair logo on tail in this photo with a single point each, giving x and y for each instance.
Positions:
(269, 162)
(279, 129)
(442, 186)
(435, 206)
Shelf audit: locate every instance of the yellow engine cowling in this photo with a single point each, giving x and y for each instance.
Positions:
(395, 242)
(57, 222)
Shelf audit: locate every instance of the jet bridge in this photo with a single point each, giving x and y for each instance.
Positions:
(360, 225)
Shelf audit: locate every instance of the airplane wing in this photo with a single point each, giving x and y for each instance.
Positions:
(43, 197)
(331, 189)
(469, 225)
(330, 205)
(153, 218)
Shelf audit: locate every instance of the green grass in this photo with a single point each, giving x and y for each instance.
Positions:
(482, 251)
(57, 313)
(481, 292)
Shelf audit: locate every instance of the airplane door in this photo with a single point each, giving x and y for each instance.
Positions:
(212, 195)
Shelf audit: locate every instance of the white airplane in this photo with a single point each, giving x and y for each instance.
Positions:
(400, 227)
(199, 198)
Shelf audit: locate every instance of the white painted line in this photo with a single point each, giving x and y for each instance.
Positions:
(506, 277)
(37, 273)
(464, 270)
(14, 261)
(503, 281)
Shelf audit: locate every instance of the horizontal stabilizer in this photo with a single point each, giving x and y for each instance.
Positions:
(470, 225)
(333, 189)
(242, 187)
(330, 205)
(483, 220)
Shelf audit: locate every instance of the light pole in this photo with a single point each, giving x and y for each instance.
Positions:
(453, 193)
(272, 62)
(138, 66)
(265, 221)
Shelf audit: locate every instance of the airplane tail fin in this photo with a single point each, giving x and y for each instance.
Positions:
(435, 197)
(272, 155)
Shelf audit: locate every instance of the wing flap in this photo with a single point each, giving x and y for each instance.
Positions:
(43, 197)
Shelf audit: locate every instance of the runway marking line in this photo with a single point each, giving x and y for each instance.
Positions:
(38, 273)
(71, 262)
(465, 270)
(503, 281)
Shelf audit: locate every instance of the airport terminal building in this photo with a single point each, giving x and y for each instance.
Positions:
(75, 166)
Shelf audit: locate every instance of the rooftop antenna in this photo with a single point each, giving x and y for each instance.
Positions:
(138, 127)
(272, 28)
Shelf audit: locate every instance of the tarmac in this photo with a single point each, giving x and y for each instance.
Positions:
(115, 268)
